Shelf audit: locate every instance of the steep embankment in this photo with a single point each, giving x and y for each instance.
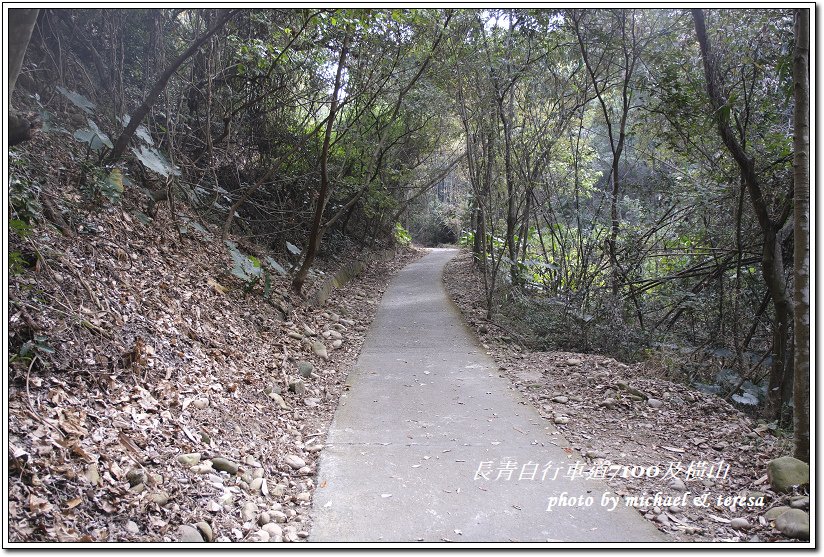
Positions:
(150, 398)
(624, 421)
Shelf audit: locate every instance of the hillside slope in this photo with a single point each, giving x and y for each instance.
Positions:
(140, 368)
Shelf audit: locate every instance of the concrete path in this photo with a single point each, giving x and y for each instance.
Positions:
(431, 444)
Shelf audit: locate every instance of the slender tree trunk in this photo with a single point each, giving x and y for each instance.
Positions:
(21, 24)
(511, 217)
(525, 224)
(490, 268)
(615, 224)
(801, 179)
(140, 112)
(314, 236)
(630, 55)
(772, 268)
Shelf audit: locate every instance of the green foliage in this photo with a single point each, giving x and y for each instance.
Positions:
(467, 239)
(20, 227)
(402, 236)
(245, 267)
(17, 263)
(99, 185)
(24, 200)
(251, 271)
(37, 347)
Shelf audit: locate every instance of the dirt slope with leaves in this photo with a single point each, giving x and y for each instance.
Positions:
(623, 420)
(154, 396)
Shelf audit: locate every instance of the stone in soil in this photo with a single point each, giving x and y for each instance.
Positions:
(320, 350)
(224, 465)
(256, 484)
(160, 497)
(787, 472)
(298, 387)
(654, 403)
(305, 369)
(279, 400)
(794, 523)
(189, 459)
(205, 530)
(274, 531)
(740, 524)
(135, 476)
(294, 462)
(249, 511)
(800, 502)
(775, 512)
(189, 534)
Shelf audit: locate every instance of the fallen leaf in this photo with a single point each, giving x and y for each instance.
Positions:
(216, 285)
(38, 505)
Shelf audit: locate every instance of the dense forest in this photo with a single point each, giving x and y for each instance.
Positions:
(631, 182)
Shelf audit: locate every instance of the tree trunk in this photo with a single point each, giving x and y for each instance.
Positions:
(21, 24)
(772, 268)
(615, 224)
(616, 145)
(801, 179)
(511, 216)
(314, 236)
(140, 112)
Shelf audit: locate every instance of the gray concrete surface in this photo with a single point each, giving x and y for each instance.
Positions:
(426, 420)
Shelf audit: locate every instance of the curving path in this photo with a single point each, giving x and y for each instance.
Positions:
(431, 444)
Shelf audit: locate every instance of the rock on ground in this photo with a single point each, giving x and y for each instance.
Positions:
(787, 472)
(794, 523)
